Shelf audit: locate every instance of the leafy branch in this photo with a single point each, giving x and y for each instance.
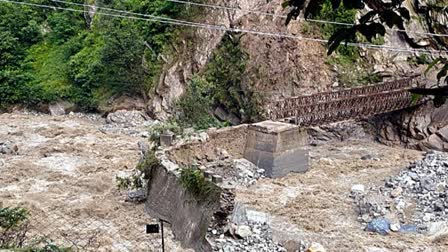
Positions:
(381, 14)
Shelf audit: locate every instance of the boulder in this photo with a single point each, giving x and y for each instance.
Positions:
(358, 188)
(424, 127)
(8, 148)
(316, 247)
(437, 141)
(127, 118)
(122, 103)
(61, 108)
(379, 225)
(243, 231)
(244, 165)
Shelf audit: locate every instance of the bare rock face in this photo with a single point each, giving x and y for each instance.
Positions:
(424, 128)
(437, 141)
(339, 131)
(177, 71)
(277, 66)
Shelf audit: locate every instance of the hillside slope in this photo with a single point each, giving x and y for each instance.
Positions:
(93, 59)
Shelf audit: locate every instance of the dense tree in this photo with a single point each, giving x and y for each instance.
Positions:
(19, 30)
(52, 54)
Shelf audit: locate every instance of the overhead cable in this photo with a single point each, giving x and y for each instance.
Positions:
(194, 23)
(229, 29)
(213, 6)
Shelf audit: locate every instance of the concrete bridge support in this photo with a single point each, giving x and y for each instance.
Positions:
(277, 148)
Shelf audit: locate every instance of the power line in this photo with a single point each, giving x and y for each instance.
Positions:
(127, 12)
(213, 6)
(224, 29)
(193, 23)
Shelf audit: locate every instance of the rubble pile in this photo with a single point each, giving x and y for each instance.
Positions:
(252, 236)
(411, 201)
(247, 173)
(244, 230)
(132, 122)
(235, 172)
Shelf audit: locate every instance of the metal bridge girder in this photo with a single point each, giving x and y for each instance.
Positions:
(345, 104)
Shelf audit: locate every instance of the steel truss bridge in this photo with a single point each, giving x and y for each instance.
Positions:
(354, 103)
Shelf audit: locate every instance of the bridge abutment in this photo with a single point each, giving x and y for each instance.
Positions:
(277, 148)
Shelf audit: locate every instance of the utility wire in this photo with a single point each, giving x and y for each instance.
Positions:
(193, 23)
(224, 29)
(213, 6)
(127, 12)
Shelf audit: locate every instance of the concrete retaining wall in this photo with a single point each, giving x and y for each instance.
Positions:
(168, 200)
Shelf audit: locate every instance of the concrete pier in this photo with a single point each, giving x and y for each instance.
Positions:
(277, 148)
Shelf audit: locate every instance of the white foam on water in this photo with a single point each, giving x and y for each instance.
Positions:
(62, 162)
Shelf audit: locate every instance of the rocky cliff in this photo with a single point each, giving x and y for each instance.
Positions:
(279, 67)
(423, 128)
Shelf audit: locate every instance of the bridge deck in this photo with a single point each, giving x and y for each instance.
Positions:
(345, 104)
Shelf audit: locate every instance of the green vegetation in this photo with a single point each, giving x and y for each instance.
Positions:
(50, 55)
(225, 71)
(351, 68)
(14, 226)
(195, 105)
(160, 128)
(194, 181)
(140, 174)
(47, 55)
(222, 83)
(150, 162)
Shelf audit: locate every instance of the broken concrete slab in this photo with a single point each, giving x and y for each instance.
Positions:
(242, 214)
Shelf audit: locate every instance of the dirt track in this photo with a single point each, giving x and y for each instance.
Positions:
(65, 174)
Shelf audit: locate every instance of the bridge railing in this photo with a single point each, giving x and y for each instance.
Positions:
(344, 104)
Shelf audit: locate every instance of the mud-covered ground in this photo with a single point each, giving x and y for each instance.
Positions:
(317, 204)
(64, 173)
